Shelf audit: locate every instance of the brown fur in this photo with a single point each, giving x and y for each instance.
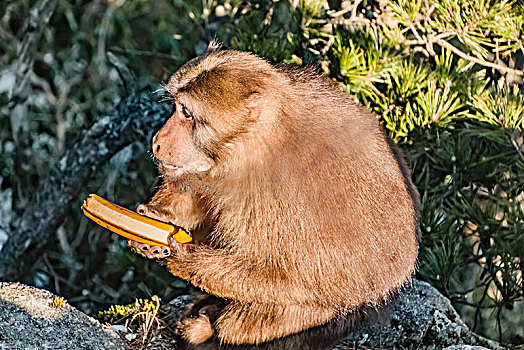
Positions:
(308, 208)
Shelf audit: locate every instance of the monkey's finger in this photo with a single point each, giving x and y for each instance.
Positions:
(166, 252)
(150, 252)
(177, 248)
(154, 252)
(172, 243)
(132, 244)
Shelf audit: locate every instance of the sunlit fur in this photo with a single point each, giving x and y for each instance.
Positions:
(308, 211)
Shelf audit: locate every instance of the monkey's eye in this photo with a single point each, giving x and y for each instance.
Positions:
(185, 113)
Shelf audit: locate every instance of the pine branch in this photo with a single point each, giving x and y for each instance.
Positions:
(498, 67)
(439, 40)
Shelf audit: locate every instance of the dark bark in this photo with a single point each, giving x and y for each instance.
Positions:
(135, 119)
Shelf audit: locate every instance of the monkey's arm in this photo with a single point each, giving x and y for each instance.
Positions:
(233, 276)
(180, 208)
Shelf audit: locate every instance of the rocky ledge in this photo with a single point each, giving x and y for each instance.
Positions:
(419, 318)
(32, 318)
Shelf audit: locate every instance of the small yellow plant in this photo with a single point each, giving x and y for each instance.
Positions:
(147, 318)
(57, 303)
(140, 319)
(116, 313)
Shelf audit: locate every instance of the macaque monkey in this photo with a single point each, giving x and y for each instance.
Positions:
(301, 207)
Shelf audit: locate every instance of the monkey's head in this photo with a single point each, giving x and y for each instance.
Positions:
(218, 99)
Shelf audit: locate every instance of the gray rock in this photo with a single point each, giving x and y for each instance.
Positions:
(27, 321)
(421, 318)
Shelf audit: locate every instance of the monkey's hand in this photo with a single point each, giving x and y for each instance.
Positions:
(149, 251)
(156, 252)
(160, 252)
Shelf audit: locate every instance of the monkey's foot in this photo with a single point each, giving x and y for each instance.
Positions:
(195, 330)
(150, 252)
(196, 325)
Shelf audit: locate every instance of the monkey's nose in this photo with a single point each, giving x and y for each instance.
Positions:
(156, 148)
(156, 145)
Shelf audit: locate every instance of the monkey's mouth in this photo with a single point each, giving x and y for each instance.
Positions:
(169, 166)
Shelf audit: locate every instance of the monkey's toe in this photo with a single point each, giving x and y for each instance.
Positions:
(150, 252)
(196, 330)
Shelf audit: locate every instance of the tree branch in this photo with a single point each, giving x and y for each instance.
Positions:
(465, 56)
(135, 119)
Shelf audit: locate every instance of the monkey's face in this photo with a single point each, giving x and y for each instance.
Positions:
(217, 109)
(175, 148)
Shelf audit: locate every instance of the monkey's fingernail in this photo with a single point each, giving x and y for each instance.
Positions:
(141, 209)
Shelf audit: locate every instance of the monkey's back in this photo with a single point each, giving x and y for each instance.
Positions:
(329, 206)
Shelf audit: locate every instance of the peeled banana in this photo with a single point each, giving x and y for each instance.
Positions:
(131, 225)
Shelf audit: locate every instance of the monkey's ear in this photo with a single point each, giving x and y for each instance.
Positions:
(214, 45)
(252, 104)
